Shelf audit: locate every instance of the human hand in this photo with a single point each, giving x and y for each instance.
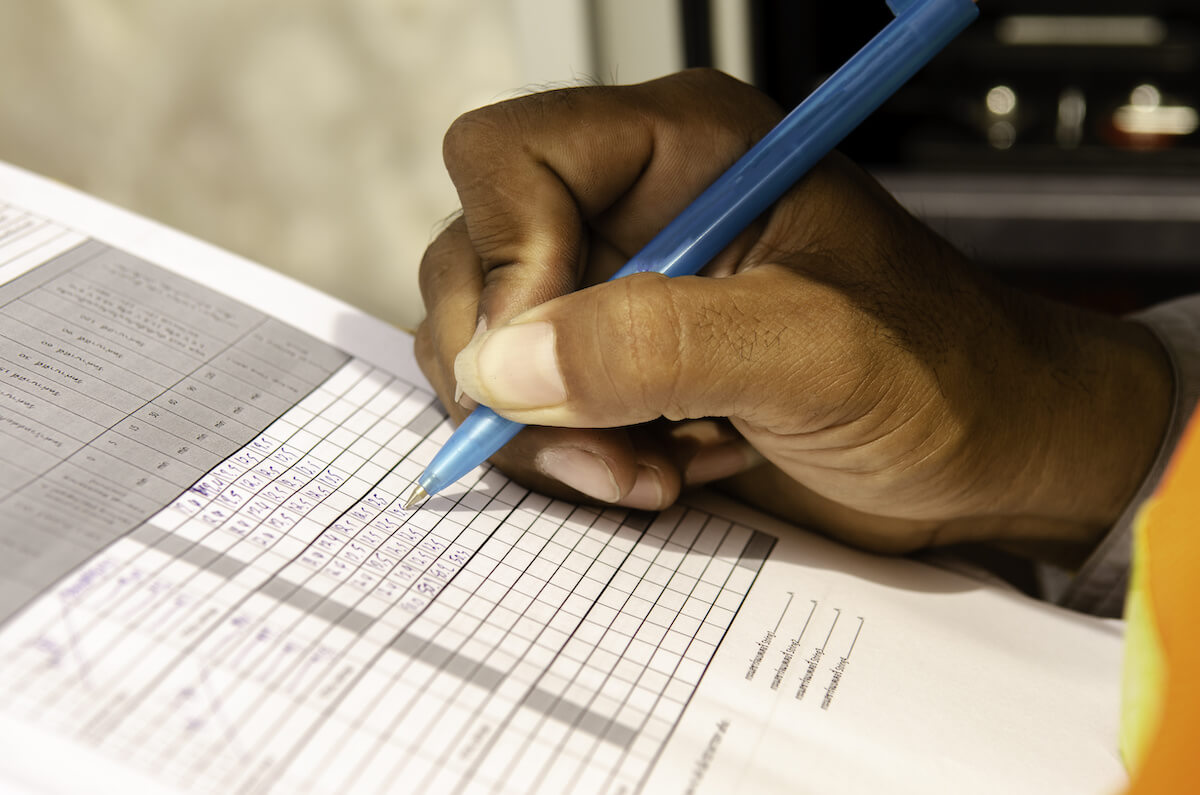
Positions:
(898, 397)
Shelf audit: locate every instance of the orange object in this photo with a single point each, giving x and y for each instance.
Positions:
(1165, 610)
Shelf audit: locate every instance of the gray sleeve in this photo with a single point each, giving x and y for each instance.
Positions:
(1099, 586)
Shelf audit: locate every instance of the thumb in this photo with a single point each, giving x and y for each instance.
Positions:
(643, 347)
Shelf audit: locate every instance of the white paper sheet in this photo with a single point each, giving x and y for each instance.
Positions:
(255, 613)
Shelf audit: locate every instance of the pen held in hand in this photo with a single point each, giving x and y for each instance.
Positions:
(728, 206)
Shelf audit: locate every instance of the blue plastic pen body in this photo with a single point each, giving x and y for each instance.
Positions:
(481, 434)
(711, 222)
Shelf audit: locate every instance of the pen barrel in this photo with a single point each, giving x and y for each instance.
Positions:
(476, 440)
(805, 135)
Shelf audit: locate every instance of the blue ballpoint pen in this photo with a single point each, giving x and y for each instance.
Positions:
(919, 31)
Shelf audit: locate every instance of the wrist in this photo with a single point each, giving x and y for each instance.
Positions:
(1089, 401)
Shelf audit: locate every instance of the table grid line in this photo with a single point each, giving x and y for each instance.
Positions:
(283, 623)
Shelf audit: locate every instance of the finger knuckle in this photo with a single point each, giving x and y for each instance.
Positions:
(443, 256)
(744, 111)
(469, 136)
(711, 80)
(482, 137)
(650, 345)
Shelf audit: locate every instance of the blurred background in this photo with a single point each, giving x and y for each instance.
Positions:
(1055, 141)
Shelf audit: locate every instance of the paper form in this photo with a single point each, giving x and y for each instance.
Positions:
(207, 579)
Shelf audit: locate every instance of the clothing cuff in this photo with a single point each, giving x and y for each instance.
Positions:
(1099, 586)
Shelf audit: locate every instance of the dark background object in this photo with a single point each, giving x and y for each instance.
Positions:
(1016, 142)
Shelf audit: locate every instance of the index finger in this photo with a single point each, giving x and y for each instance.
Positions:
(537, 175)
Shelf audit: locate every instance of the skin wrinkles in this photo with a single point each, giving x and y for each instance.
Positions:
(652, 296)
(703, 335)
(846, 447)
(615, 381)
(860, 352)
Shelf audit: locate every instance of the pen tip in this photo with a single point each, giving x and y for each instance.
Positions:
(418, 495)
